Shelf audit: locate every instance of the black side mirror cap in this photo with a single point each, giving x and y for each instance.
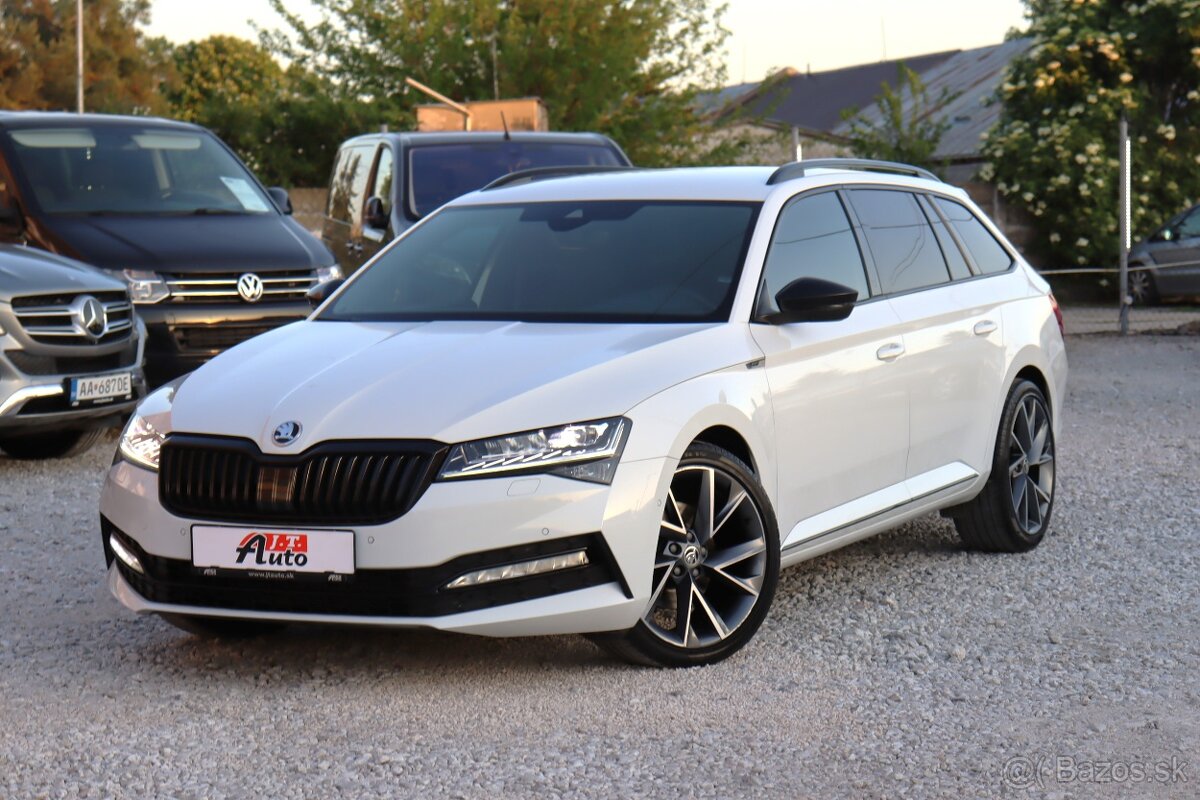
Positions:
(321, 292)
(280, 197)
(374, 214)
(12, 222)
(812, 300)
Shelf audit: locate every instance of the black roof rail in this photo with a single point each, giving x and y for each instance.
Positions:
(542, 173)
(798, 169)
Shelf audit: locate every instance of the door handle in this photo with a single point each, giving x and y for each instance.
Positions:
(984, 327)
(890, 352)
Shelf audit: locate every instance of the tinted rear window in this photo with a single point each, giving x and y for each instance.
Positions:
(438, 173)
(989, 255)
(907, 255)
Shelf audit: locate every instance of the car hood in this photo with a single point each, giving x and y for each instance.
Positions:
(25, 271)
(449, 381)
(189, 243)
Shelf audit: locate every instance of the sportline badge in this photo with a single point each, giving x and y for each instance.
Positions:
(273, 550)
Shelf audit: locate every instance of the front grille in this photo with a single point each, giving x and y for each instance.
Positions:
(54, 318)
(336, 483)
(31, 364)
(417, 592)
(283, 286)
(215, 338)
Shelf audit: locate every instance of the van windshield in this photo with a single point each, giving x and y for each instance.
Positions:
(578, 261)
(438, 173)
(133, 170)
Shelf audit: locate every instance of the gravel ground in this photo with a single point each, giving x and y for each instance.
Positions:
(901, 666)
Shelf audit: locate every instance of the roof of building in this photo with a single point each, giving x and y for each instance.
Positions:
(968, 80)
(815, 101)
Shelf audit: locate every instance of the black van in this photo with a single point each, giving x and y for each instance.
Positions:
(383, 183)
(210, 257)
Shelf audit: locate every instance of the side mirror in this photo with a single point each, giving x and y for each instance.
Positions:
(321, 292)
(813, 300)
(12, 222)
(280, 196)
(375, 215)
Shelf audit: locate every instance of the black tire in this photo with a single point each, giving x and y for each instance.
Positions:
(1002, 518)
(1142, 288)
(59, 444)
(221, 627)
(735, 582)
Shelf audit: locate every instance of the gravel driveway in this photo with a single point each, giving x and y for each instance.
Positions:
(901, 666)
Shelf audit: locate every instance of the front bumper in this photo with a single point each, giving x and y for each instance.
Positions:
(183, 336)
(402, 566)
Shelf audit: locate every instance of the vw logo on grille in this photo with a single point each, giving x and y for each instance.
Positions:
(90, 317)
(286, 433)
(250, 287)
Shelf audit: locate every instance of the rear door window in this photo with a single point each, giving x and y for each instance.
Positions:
(812, 239)
(381, 186)
(989, 255)
(906, 254)
(349, 183)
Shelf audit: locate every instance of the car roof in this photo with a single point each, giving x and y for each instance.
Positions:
(737, 184)
(64, 119)
(465, 137)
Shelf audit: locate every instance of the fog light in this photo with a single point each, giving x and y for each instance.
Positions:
(123, 553)
(521, 569)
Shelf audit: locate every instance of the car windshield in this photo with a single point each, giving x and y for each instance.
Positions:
(133, 170)
(438, 173)
(608, 261)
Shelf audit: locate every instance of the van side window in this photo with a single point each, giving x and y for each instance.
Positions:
(954, 257)
(907, 255)
(349, 183)
(812, 240)
(989, 255)
(381, 187)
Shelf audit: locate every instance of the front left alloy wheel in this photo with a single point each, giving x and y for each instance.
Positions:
(715, 569)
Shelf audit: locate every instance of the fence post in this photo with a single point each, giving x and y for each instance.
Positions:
(1124, 224)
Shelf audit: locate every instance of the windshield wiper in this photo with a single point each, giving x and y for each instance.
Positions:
(201, 212)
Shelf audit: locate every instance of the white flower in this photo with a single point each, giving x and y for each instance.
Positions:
(1081, 242)
(1055, 238)
(1080, 158)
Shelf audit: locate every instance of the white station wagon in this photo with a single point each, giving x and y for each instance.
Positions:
(612, 403)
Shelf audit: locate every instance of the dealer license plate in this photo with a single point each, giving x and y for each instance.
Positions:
(273, 549)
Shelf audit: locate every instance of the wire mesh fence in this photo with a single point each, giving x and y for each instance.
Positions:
(1161, 298)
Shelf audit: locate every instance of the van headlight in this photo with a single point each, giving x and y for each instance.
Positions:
(586, 451)
(141, 443)
(331, 273)
(146, 287)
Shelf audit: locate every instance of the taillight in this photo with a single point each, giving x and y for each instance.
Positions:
(1062, 328)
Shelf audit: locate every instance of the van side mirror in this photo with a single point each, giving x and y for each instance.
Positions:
(12, 222)
(321, 292)
(375, 215)
(812, 300)
(280, 197)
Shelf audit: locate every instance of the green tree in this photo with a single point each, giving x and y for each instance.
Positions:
(904, 126)
(123, 69)
(1054, 151)
(628, 69)
(285, 124)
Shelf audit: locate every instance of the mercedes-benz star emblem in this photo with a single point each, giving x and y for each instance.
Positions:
(90, 317)
(250, 287)
(286, 433)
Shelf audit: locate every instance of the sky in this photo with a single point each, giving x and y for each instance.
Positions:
(765, 34)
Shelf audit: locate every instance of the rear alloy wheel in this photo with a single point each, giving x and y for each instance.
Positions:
(1012, 512)
(1141, 286)
(715, 570)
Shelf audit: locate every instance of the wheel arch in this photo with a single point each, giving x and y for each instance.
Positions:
(730, 440)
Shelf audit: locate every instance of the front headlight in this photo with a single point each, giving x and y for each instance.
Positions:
(586, 451)
(141, 443)
(330, 273)
(146, 287)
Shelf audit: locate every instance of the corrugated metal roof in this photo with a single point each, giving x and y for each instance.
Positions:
(969, 78)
